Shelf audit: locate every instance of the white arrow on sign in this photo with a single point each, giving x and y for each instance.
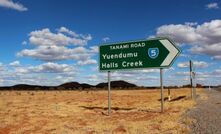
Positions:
(173, 51)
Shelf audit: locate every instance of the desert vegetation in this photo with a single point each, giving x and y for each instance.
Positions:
(133, 111)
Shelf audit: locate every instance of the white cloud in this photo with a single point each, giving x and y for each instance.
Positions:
(217, 72)
(55, 53)
(58, 46)
(65, 30)
(210, 49)
(200, 64)
(183, 65)
(21, 70)
(93, 78)
(213, 5)
(105, 39)
(15, 63)
(136, 76)
(179, 33)
(74, 34)
(24, 43)
(184, 55)
(196, 64)
(49, 67)
(94, 49)
(43, 74)
(153, 78)
(183, 73)
(191, 23)
(149, 71)
(209, 78)
(204, 38)
(200, 75)
(137, 72)
(63, 79)
(87, 62)
(47, 38)
(12, 5)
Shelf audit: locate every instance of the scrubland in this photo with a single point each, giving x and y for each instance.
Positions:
(85, 112)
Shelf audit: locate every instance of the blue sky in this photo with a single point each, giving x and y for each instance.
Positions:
(50, 42)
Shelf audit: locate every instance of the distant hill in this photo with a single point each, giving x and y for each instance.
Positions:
(114, 84)
(70, 86)
(117, 84)
(85, 85)
(25, 86)
(75, 85)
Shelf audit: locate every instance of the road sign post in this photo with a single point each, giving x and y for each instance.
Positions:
(161, 90)
(153, 53)
(109, 93)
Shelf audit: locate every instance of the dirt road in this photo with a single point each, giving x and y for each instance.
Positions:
(207, 114)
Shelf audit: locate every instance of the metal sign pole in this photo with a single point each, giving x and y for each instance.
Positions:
(161, 92)
(109, 93)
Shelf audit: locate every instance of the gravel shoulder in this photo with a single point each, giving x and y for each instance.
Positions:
(207, 114)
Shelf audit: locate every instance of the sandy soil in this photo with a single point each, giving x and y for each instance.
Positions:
(85, 112)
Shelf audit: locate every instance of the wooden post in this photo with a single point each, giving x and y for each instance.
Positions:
(169, 98)
(191, 80)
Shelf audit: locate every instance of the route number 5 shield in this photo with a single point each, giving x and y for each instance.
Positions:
(153, 53)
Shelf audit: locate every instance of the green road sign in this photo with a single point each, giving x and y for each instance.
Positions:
(153, 53)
